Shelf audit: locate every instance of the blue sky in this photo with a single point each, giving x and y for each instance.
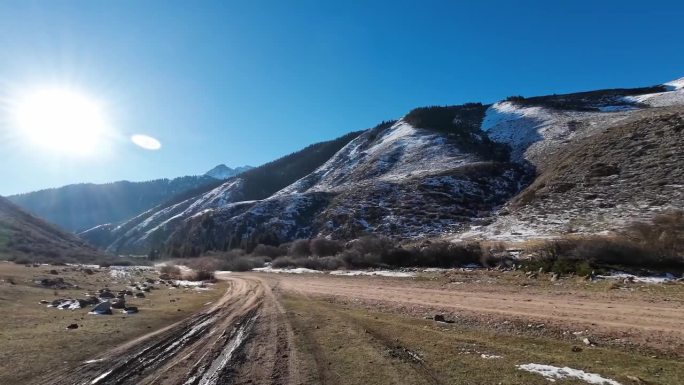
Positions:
(247, 82)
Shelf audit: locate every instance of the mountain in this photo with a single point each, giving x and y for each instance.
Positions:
(24, 235)
(224, 172)
(145, 231)
(520, 168)
(79, 207)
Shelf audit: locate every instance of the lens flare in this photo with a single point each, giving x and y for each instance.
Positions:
(146, 142)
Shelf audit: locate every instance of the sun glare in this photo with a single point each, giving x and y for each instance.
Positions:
(61, 120)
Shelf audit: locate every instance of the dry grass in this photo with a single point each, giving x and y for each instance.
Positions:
(340, 344)
(34, 338)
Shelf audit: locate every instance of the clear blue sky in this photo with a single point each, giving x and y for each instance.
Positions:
(246, 82)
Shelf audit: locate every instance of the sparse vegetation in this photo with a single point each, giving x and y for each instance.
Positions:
(657, 245)
(461, 124)
(584, 101)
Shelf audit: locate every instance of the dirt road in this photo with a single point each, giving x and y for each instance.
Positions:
(629, 313)
(203, 349)
(248, 337)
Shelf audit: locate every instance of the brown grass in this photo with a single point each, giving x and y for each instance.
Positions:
(34, 338)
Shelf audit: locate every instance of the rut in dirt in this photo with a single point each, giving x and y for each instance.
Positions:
(205, 349)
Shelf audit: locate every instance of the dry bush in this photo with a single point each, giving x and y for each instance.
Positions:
(450, 254)
(322, 247)
(495, 254)
(243, 263)
(655, 245)
(271, 252)
(172, 271)
(300, 248)
(283, 262)
(664, 235)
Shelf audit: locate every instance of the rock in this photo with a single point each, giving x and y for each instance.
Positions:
(554, 277)
(89, 271)
(54, 272)
(588, 342)
(130, 309)
(107, 295)
(128, 292)
(139, 295)
(44, 301)
(72, 326)
(103, 308)
(441, 318)
(119, 304)
(576, 349)
(54, 283)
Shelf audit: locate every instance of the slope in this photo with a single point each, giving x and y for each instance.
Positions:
(149, 229)
(24, 236)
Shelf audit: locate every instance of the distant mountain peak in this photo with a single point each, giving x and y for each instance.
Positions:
(224, 172)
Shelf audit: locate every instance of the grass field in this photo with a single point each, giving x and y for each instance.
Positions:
(35, 339)
(342, 344)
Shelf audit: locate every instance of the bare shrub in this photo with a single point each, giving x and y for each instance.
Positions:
(203, 275)
(664, 235)
(450, 254)
(322, 247)
(300, 248)
(323, 263)
(271, 252)
(243, 263)
(171, 271)
(283, 262)
(371, 244)
(358, 258)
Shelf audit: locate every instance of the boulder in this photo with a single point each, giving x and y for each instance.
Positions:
(119, 304)
(103, 308)
(441, 318)
(130, 310)
(139, 295)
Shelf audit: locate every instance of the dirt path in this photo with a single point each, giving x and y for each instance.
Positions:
(206, 348)
(248, 337)
(623, 315)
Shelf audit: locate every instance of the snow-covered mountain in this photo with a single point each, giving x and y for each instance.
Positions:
(522, 167)
(224, 172)
(81, 206)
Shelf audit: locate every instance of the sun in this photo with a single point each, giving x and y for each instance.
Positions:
(61, 120)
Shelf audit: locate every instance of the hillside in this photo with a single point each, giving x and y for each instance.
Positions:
(148, 230)
(23, 236)
(517, 169)
(81, 206)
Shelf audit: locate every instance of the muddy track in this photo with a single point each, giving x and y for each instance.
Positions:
(204, 349)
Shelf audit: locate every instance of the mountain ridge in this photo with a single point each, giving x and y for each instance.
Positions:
(442, 171)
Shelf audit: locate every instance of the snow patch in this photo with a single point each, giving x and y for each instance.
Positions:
(378, 273)
(642, 279)
(553, 373)
(676, 84)
(298, 270)
(490, 356)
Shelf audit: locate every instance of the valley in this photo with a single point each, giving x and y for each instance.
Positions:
(325, 329)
